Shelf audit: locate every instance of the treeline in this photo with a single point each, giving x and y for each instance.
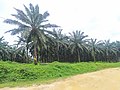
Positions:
(40, 41)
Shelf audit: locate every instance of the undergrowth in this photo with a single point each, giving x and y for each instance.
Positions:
(11, 72)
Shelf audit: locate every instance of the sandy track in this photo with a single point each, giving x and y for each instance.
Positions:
(108, 79)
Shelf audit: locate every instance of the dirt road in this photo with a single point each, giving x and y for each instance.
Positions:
(108, 79)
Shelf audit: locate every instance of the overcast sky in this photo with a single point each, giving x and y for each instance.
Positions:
(97, 18)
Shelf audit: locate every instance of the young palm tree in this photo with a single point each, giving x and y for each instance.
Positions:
(32, 22)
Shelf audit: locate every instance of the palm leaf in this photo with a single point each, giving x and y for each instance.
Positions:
(45, 15)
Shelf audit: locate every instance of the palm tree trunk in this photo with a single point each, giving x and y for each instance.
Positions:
(58, 52)
(93, 55)
(94, 58)
(35, 55)
(65, 56)
(27, 53)
(78, 53)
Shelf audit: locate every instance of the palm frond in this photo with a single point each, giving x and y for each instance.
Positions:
(14, 22)
(28, 13)
(18, 30)
(22, 18)
(45, 15)
(31, 8)
(37, 9)
(50, 26)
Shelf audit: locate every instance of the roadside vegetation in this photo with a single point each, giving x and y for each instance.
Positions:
(15, 74)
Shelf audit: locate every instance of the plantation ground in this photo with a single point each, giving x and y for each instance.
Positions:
(108, 79)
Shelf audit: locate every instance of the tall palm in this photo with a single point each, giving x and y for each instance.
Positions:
(78, 42)
(32, 22)
(94, 47)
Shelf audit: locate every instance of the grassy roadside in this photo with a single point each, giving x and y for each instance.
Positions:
(15, 74)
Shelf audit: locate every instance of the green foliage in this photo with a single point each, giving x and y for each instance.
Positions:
(15, 72)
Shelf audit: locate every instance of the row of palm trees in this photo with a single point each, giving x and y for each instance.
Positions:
(44, 42)
(11, 53)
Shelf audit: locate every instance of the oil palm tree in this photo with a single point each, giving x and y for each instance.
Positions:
(3, 49)
(94, 47)
(32, 22)
(22, 49)
(59, 41)
(77, 42)
(109, 49)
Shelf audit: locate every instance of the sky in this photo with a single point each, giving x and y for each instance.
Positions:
(96, 18)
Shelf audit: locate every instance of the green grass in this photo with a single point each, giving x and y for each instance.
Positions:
(15, 74)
